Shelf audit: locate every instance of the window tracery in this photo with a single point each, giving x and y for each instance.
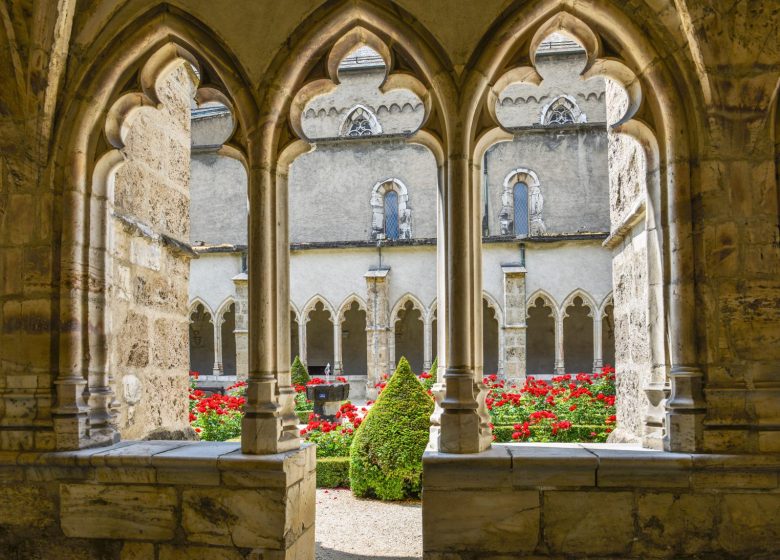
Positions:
(562, 111)
(360, 122)
(559, 114)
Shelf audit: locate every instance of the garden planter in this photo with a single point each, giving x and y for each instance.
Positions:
(327, 398)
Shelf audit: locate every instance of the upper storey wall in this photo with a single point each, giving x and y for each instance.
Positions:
(521, 105)
(218, 191)
(331, 187)
(571, 166)
(397, 111)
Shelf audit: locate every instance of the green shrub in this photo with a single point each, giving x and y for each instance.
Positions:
(298, 373)
(333, 472)
(428, 383)
(386, 455)
(303, 415)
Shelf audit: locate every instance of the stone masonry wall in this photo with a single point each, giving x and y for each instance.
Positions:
(149, 270)
(592, 501)
(633, 361)
(158, 500)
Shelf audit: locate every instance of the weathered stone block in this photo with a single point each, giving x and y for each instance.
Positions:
(749, 523)
(137, 551)
(675, 524)
(501, 520)
(180, 552)
(118, 511)
(244, 518)
(588, 523)
(26, 506)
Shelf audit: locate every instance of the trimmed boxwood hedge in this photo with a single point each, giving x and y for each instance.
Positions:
(333, 472)
(386, 455)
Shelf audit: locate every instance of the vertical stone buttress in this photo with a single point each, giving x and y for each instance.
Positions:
(242, 325)
(514, 347)
(377, 328)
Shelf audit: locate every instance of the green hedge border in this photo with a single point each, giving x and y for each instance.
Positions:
(575, 434)
(333, 472)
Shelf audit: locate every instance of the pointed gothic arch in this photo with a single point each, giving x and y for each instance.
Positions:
(360, 121)
(561, 111)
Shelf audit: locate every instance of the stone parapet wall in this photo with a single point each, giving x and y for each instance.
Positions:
(158, 500)
(599, 501)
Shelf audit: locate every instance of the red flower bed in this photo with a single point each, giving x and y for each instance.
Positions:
(571, 407)
(334, 439)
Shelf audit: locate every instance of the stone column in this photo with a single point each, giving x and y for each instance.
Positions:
(427, 340)
(302, 340)
(241, 331)
(392, 359)
(464, 419)
(337, 363)
(560, 365)
(377, 328)
(598, 361)
(217, 369)
(269, 424)
(514, 331)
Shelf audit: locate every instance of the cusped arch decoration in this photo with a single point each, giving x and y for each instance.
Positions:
(587, 301)
(360, 121)
(312, 303)
(352, 40)
(506, 217)
(548, 299)
(223, 308)
(296, 312)
(401, 304)
(347, 305)
(193, 306)
(666, 128)
(608, 300)
(378, 192)
(495, 306)
(146, 48)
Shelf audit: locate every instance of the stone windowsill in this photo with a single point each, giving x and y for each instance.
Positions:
(200, 462)
(537, 465)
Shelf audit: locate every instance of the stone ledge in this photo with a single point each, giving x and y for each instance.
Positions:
(592, 465)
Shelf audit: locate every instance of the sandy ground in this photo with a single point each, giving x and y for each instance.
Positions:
(352, 529)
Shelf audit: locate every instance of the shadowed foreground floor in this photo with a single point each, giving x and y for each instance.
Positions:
(352, 529)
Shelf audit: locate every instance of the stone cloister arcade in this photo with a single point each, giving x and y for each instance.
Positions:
(95, 206)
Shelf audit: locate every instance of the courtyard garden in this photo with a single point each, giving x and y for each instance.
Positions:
(376, 448)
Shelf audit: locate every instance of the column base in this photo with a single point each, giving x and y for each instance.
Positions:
(461, 432)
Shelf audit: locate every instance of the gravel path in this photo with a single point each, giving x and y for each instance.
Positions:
(352, 529)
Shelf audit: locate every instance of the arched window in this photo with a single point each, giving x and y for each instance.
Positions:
(391, 215)
(359, 127)
(360, 122)
(562, 111)
(521, 208)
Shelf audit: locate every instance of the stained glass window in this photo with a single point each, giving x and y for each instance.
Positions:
(391, 215)
(521, 208)
(559, 114)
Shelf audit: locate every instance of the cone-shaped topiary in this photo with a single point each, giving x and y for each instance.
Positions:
(298, 373)
(386, 454)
